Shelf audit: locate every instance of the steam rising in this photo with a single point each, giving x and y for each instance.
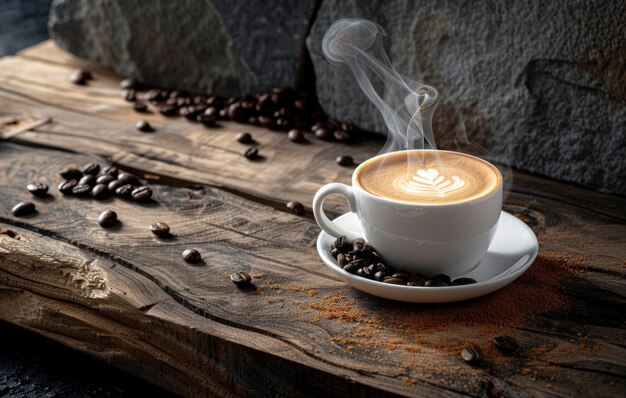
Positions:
(409, 107)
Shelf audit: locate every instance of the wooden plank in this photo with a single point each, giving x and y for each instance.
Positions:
(128, 298)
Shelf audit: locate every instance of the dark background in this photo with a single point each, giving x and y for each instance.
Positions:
(30, 365)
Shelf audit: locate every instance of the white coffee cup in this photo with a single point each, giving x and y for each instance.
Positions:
(427, 238)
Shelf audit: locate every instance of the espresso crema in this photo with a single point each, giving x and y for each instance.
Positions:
(429, 177)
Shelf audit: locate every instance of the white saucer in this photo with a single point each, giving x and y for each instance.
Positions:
(511, 253)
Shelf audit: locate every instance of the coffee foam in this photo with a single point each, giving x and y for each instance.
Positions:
(428, 177)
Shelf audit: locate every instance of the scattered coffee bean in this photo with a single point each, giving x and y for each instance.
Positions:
(140, 106)
(110, 170)
(472, 354)
(129, 95)
(251, 153)
(81, 190)
(296, 135)
(104, 179)
(323, 134)
(23, 209)
(144, 126)
(37, 189)
(142, 194)
(296, 207)
(505, 344)
(128, 178)
(100, 191)
(66, 186)
(90, 169)
(113, 185)
(240, 278)
(107, 218)
(344, 160)
(160, 229)
(207, 120)
(267, 122)
(128, 84)
(192, 256)
(80, 77)
(244, 138)
(341, 136)
(463, 281)
(237, 113)
(87, 179)
(124, 191)
(70, 173)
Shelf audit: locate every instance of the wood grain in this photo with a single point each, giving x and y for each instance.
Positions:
(127, 297)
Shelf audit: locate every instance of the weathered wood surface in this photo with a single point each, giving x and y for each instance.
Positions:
(127, 297)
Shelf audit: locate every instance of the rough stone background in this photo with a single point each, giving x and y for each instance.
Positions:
(540, 85)
(226, 46)
(22, 24)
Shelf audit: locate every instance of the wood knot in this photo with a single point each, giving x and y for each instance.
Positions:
(10, 233)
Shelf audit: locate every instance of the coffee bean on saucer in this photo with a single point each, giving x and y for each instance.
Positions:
(160, 229)
(295, 135)
(142, 194)
(192, 256)
(143, 126)
(140, 106)
(435, 283)
(342, 243)
(296, 207)
(87, 179)
(344, 160)
(351, 267)
(100, 191)
(66, 187)
(110, 170)
(323, 134)
(70, 173)
(463, 281)
(379, 276)
(365, 272)
(80, 77)
(402, 275)
(472, 354)
(124, 191)
(23, 209)
(244, 138)
(505, 344)
(81, 190)
(107, 218)
(240, 278)
(104, 179)
(442, 277)
(341, 260)
(37, 189)
(394, 281)
(251, 153)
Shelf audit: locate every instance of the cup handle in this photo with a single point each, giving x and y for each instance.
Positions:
(323, 221)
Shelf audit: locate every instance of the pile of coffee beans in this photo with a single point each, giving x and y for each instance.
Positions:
(359, 258)
(281, 109)
(92, 181)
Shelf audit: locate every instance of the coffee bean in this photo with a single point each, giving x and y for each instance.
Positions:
(351, 267)
(241, 278)
(244, 138)
(192, 256)
(90, 169)
(128, 179)
(114, 185)
(160, 229)
(341, 136)
(463, 281)
(443, 277)
(379, 276)
(296, 207)
(335, 252)
(344, 160)
(107, 218)
(295, 135)
(505, 344)
(402, 275)
(394, 281)
(472, 354)
(223, 114)
(23, 209)
(100, 191)
(357, 244)
(167, 110)
(37, 189)
(417, 279)
(80, 77)
(81, 190)
(284, 123)
(124, 191)
(128, 83)
(435, 283)
(104, 179)
(70, 173)
(365, 272)
(323, 134)
(268, 122)
(317, 126)
(144, 126)
(341, 260)
(142, 194)
(87, 179)
(66, 186)
(207, 120)
(129, 95)
(251, 153)
(237, 113)
(110, 170)
(140, 106)
(343, 243)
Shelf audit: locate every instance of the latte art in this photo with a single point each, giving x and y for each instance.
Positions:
(428, 176)
(429, 182)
